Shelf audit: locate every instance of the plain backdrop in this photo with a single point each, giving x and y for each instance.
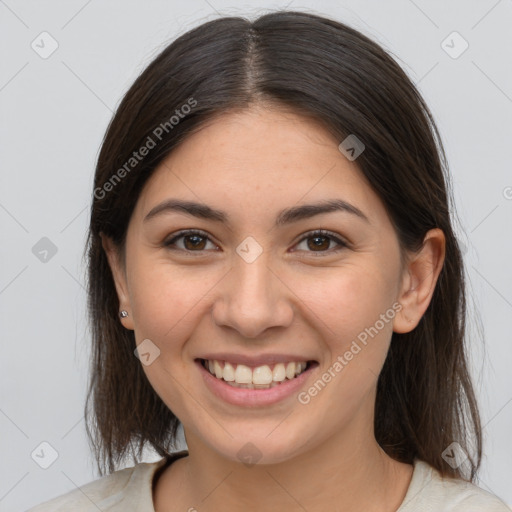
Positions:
(54, 109)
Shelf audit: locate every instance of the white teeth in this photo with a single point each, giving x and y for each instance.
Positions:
(218, 369)
(261, 377)
(243, 374)
(279, 373)
(228, 373)
(290, 370)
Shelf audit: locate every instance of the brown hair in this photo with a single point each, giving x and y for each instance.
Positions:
(328, 71)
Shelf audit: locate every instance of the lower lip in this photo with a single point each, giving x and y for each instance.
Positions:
(254, 397)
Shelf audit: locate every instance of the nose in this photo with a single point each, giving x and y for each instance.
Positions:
(253, 298)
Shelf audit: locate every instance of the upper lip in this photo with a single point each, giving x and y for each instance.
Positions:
(255, 361)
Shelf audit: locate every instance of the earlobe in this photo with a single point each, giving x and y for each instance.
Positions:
(119, 277)
(419, 282)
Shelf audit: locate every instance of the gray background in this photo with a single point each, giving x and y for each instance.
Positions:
(54, 112)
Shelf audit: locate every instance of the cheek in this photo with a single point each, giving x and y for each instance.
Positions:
(346, 312)
(346, 302)
(167, 303)
(346, 309)
(167, 300)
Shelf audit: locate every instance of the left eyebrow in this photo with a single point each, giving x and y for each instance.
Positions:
(305, 211)
(286, 216)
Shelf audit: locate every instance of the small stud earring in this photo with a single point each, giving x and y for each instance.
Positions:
(123, 313)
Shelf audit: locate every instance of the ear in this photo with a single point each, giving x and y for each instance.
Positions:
(419, 281)
(119, 275)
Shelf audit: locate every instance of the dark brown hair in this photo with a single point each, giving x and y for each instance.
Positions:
(330, 72)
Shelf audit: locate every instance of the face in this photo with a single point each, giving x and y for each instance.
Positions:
(255, 286)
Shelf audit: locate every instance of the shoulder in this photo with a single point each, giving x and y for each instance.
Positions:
(430, 492)
(124, 490)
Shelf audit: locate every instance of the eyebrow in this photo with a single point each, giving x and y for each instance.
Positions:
(286, 216)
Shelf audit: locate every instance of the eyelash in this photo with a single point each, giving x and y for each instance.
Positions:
(318, 233)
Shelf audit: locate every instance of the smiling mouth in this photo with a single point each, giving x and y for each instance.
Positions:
(260, 377)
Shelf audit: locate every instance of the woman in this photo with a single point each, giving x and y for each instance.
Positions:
(272, 266)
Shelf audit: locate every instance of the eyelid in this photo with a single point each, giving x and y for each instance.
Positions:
(342, 244)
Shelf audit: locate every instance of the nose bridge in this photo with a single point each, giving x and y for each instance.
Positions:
(253, 298)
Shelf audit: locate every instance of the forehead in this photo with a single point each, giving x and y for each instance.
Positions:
(260, 159)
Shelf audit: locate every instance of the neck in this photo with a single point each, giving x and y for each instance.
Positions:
(350, 470)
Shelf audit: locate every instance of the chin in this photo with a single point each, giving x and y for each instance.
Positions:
(259, 447)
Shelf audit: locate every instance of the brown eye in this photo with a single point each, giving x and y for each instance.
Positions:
(320, 241)
(193, 241)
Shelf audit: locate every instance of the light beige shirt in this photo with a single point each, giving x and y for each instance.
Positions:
(130, 490)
